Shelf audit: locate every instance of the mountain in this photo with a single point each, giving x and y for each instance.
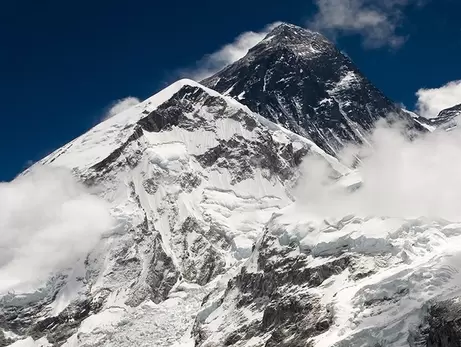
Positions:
(352, 281)
(210, 245)
(300, 80)
(191, 177)
(446, 119)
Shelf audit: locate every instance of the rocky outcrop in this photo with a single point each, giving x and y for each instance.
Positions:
(441, 326)
(274, 303)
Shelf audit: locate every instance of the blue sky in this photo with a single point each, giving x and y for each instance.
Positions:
(63, 64)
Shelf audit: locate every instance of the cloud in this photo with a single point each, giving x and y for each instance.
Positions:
(400, 178)
(376, 21)
(47, 222)
(121, 105)
(432, 101)
(227, 54)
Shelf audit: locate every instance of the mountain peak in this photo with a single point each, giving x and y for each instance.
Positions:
(298, 78)
(297, 39)
(288, 29)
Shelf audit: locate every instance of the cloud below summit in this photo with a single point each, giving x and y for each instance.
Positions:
(47, 222)
(227, 54)
(401, 178)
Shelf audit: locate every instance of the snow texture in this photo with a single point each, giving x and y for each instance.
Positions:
(191, 178)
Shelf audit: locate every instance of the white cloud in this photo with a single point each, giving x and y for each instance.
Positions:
(401, 178)
(376, 21)
(121, 105)
(432, 101)
(227, 54)
(47, 222)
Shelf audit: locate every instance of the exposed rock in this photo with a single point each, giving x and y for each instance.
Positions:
(202, 262)
(299, 79)
(162, 274)
(441, 326)
(3, 340)
(278, 292)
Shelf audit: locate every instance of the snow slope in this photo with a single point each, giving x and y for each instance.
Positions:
(355, 281)
(192, 177)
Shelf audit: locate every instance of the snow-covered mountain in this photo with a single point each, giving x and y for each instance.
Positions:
(356, 281)
(447, 119)
(192, 177)
(210, 247)
(300, 80)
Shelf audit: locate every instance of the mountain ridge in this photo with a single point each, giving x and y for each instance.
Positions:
(299, 79)
(447, 118)
(191, 177)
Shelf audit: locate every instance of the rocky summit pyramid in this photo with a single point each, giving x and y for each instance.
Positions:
(210, 247)
(297, 78)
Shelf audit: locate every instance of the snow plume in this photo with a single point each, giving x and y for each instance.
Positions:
(47, 222)
(121, 105)
(400, 178)
(376, 21)
(214, 62)
(432, 101)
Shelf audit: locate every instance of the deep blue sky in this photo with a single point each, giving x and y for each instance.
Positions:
(63, 62)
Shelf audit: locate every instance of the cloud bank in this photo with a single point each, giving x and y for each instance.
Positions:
(120, 106)
(432, 101)
(377, 22)
(401, 178)
(214, 62)
(47, 222)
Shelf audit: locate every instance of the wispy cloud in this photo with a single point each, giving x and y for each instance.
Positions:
(375, 20)
(47, 222)
(432, 101)
(400, 178)
(212, 63)
(121, 105)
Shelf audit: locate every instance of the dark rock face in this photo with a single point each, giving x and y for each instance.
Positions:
(278, 292)
(202, 262)
(4, 341)
(297, 78)
(162, 274)
(59, 328)
(27, 318)
(441, 326)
